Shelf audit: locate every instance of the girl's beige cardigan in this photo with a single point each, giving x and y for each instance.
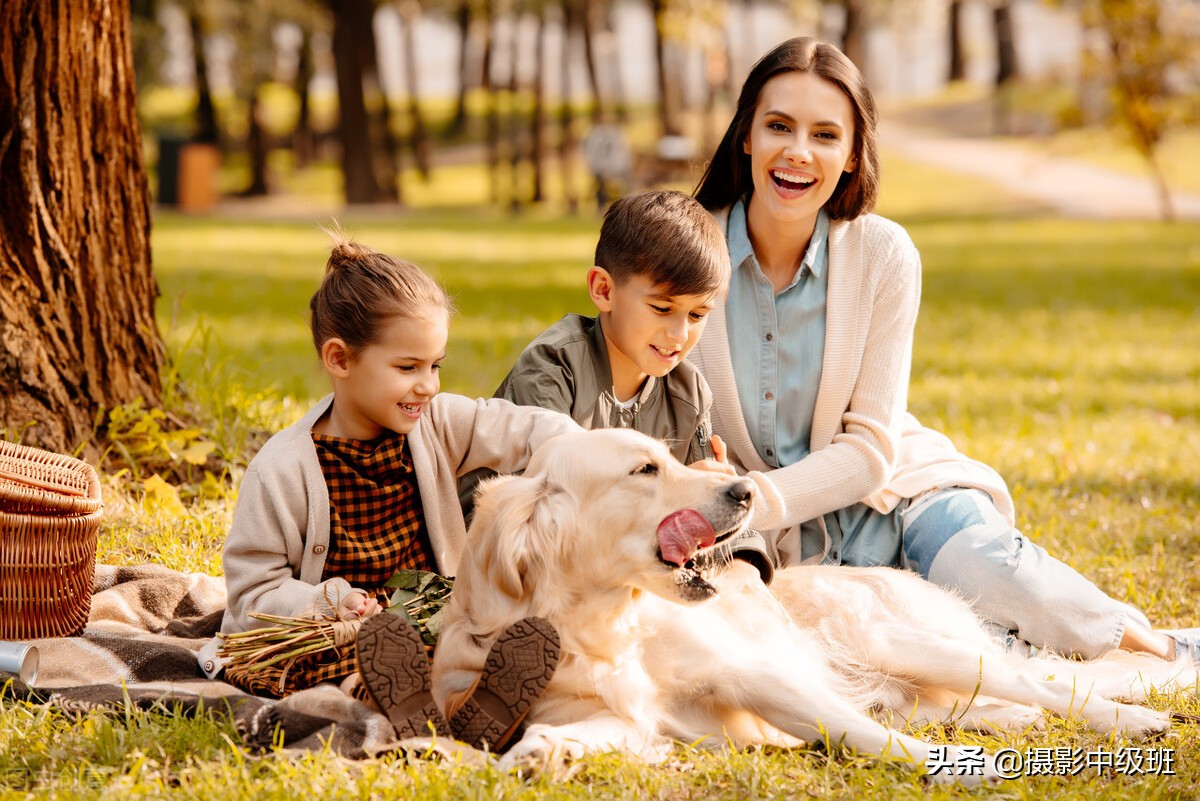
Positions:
(277, 544)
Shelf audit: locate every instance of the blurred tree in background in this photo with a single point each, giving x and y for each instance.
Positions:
(1148, 56)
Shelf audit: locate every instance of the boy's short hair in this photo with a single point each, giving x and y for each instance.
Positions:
(669, 238)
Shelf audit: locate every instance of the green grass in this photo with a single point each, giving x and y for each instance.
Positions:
(1065, 354)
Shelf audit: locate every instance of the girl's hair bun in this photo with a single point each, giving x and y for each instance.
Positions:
(344, 251)
(362, 288)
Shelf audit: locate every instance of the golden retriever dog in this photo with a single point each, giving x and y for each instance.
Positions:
(601, 536)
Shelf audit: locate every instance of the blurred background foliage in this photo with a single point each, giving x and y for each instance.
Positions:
(371, 101)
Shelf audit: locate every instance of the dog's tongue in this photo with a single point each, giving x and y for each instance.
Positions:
(682, 534)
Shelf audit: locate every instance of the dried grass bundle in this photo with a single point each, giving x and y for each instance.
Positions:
(419, 596)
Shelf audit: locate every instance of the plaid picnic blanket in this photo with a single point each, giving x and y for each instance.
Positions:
(144, 629)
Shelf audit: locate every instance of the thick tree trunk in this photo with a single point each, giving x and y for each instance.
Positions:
(77, 326)
(352, 26)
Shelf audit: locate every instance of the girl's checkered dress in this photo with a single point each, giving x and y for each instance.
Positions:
(376, 527)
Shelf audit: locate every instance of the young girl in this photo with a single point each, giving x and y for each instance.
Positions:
(808, 361)
(365, 485)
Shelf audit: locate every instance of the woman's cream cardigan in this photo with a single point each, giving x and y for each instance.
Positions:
(865, 446)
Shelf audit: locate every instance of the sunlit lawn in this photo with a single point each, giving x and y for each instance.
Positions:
(1065, 354)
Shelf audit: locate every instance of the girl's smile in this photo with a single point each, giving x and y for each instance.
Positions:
(389, 383)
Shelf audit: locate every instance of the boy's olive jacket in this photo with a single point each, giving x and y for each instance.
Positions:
(566, 369)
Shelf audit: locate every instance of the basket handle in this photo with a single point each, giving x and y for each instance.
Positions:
(16, 478)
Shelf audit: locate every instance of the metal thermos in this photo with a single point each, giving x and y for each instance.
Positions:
(20, 659)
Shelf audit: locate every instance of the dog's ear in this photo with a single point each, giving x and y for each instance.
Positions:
(520, 525)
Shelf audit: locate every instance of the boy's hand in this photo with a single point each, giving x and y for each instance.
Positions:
(357, 604)
(713, 466)
(719, 449)
(717, 464)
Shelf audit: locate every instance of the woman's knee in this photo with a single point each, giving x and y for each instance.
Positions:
(966, 518)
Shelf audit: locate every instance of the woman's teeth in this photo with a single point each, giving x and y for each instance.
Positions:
(791, 181)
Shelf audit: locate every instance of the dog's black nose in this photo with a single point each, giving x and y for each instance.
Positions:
(741, 491)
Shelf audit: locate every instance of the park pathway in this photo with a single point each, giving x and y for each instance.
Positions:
(1074, 188)
(1071, 187)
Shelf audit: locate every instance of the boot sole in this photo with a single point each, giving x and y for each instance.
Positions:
(519, 666)
(394, 668)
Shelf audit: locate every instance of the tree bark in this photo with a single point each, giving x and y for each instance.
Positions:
(77, 328)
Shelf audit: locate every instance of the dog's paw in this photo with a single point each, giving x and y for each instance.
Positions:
(1019, 718)
(541, 753)
(1139, 722)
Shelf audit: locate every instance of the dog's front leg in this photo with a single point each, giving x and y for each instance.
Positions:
(547, 748)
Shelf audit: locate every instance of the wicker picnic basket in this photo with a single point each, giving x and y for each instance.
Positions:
(49, 518)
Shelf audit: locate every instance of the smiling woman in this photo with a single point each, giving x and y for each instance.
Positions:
(809, 361)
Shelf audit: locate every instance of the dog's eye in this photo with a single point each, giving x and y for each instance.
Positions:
(649, 469)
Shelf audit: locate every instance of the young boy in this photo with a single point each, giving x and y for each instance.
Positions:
(661, 266)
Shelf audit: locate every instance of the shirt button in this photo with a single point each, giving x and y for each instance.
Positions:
(770, 336)
(770, 396)
(770, 452)
(318, 549)
(208, 666)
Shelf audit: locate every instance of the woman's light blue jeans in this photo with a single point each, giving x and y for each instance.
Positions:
(957, 539)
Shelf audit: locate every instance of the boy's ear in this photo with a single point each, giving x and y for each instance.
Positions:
(600, 288)
(335, 356)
